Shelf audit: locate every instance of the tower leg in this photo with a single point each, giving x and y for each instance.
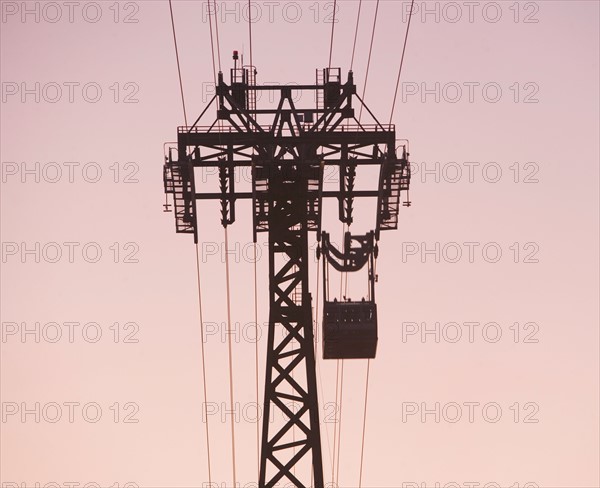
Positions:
(294, 441)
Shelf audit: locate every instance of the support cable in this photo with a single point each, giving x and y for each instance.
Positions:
(178, 64)
(228, 289)
(339, 388)
(255, 281)
(203, 365)
(256, 360)
(230, 354)
(369, 60)
(337, 472)
(355, 34)
(340, 379)
(319, 364)
(335, 426)
(344, 276)
(332, 32)
(337, 384)
(250, 29)
(364, 427)
(354, 43)
(375, 270)
(362, 448)
(212, 45)
(402, 60)
(205, 402)
(217, 32)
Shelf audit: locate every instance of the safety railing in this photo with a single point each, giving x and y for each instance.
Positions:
(267, 128)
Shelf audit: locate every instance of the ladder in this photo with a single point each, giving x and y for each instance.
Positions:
(176, 185)
(251, 70)
(393, 184)
(320, 92)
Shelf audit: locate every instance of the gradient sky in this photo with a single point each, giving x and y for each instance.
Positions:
(544, 123)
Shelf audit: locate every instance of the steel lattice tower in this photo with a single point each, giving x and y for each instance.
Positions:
(287, 158)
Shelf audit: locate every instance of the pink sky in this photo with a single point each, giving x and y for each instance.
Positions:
(541, 130)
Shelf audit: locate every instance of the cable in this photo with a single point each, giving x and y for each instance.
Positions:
(256, 360)
(255, 283)
(250, 29)
(359, 117)
(337, 472)
(230, 354)
(341, 379)
(337, 381)
(178, 65)
(228, 290)
(369, 60)
(362, 449)
(255, 276)
(319, 365)
(355, 34)
(402, 60)
(197, 273)
(212, 45)
(217, 33)
(354, 45)
(332, 31)
(341, 385)
(203, 364)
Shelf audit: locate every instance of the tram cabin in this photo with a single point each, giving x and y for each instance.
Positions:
(349, 330)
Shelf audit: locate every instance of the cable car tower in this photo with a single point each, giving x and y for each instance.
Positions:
(288, 156)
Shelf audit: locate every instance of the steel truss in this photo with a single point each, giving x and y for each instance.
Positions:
(287, 158)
